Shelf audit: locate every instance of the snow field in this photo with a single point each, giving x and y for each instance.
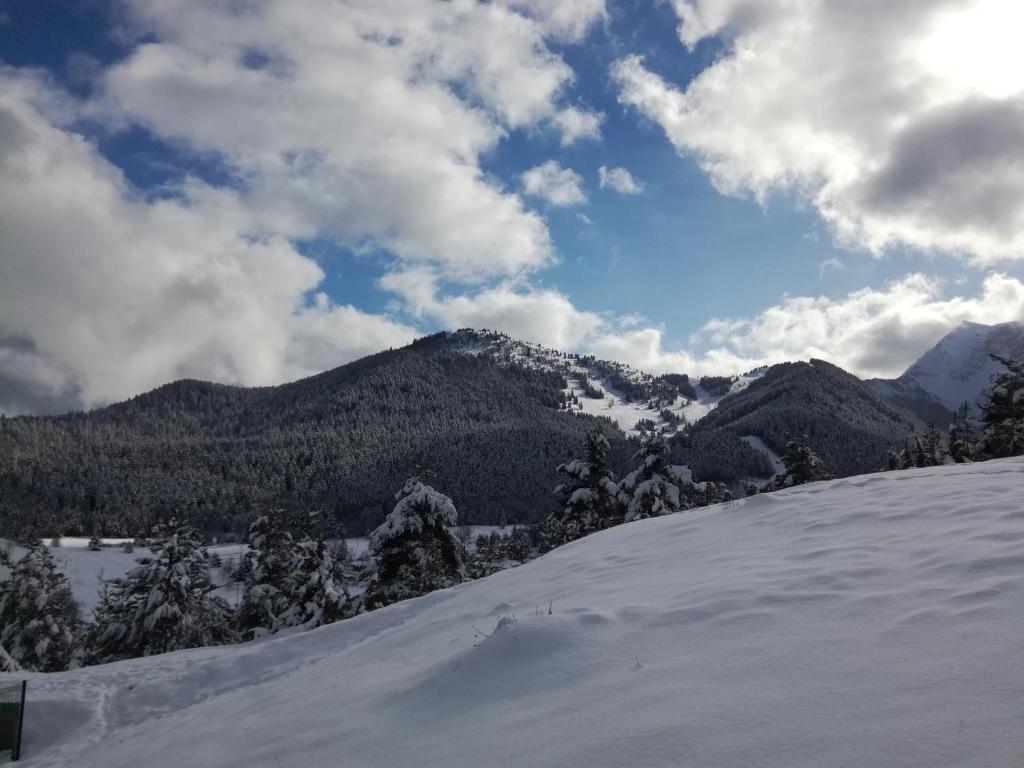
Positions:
(874, 620)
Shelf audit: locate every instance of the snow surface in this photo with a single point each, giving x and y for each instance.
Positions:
(870, 621)
(627, 414)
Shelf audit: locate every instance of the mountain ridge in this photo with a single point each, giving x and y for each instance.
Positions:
(955, 370)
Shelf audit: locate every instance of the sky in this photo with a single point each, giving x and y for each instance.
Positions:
(252, 191)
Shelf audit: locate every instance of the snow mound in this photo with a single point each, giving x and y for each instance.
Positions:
(874, 620)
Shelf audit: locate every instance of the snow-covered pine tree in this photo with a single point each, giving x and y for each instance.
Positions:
(802, 465)
(39, 619)
(930, 450)
(164, 604)
(313, 593)
(415, 552)
(653, 488)
(961, 443)
(7, 662)
(269, 562)
(1003, 419)
(589, 496)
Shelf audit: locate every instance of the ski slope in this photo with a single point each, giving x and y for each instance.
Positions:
(626, 414)
(871, 621)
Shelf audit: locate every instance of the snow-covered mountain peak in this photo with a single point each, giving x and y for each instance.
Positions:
(958, 368)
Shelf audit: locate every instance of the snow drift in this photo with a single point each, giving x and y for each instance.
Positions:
(875, 620)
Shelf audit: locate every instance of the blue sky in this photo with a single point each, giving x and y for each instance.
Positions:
(371, 186)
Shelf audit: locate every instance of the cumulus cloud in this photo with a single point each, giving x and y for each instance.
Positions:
(902, 123)
(362, 123)
(555, 184)
(870, 332)
(541, 315)
(365, 121)
(105, 294)
(619, 179)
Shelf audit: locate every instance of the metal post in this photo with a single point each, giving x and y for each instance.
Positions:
(16, 752)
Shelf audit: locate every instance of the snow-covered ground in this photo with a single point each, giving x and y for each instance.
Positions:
(874, 620)
(627, 414)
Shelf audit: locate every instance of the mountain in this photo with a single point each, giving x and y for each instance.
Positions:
(850, 426)
(342, 442)
(490, 416)
(872, 621)
(954, 371)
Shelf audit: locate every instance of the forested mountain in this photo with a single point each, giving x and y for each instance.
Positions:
(849, 425)
(490, 416)
(956, 370)
(492, 432)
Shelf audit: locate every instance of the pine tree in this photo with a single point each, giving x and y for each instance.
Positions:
(1003, 419)
(268, 565)
(961, 447)
(414, 550)
(589, 496)
(164, 604)
(7, 662)
(930, 451)
(313, 592)
(802, 465)
(654, 488)
(39, 618)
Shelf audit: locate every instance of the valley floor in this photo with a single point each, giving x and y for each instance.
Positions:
(871, 621)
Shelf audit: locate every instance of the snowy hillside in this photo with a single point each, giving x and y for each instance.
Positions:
(616, 391)
(958, 368)
(869, 621)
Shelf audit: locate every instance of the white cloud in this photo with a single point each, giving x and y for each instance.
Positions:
(365, 121)
(902, 123)
(830, 265)
(105, 294)
(569, 20)
(870, 332)
(619, 179)
(543, 316)
(361, 123)
(578, 124)
(555, 184)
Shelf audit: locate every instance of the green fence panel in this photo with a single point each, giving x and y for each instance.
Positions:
(12, 718)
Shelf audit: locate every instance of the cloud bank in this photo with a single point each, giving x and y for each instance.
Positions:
(901, 123)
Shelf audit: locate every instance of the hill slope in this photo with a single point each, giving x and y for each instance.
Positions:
(867, 621)
(851, 427)
(341, 442)
(955, 370)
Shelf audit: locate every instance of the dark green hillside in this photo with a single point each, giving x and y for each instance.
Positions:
(341, 442)
(850, 426)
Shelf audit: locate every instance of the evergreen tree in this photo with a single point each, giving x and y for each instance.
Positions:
(7, 662)
(802, 465)
(269, 562)
(961, 443)
(414, 550)
(589, 495)
(39, 618)
(654, 487)
(164, 604)
(1003, 419)
(314, 592)
(930, 451)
